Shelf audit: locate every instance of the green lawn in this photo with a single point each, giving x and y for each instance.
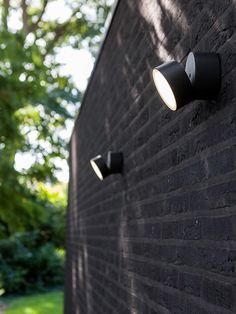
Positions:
(44, 303)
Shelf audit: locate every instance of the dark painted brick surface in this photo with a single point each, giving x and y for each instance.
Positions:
(161, 238)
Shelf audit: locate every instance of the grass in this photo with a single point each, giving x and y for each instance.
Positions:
(44, 303)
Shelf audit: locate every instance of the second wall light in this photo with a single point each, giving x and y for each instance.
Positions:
(112, 165)
(201, 79)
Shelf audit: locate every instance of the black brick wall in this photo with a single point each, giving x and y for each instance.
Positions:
(162, 237)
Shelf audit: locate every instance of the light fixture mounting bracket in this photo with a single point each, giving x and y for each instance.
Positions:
(115, 161)
(204, 72)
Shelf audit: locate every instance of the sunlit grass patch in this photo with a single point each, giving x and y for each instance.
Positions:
(44, 303)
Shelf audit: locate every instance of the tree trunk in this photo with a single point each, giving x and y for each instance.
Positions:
(25, 16)
(5, 12)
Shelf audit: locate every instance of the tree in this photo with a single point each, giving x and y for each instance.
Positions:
(34, 101)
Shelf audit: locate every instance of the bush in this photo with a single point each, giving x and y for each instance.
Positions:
(28, 264)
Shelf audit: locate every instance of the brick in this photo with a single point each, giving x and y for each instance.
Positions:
(219, 228)
(161, 237)
(218, 293)
(190, 283)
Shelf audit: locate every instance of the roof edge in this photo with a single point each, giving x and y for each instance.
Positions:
(108, 24)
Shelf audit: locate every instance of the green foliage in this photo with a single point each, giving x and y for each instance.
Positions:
(28, 262)
(46, 303)
(27, 107)
(35, 102)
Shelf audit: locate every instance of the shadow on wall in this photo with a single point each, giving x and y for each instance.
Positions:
(128, 245)
(183, 27)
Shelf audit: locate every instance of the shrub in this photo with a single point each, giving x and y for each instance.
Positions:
(28, 264)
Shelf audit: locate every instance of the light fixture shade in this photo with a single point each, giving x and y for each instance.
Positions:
(173, 84)
(204, 72)
(201, 79)
(115, 162)
(100, 167)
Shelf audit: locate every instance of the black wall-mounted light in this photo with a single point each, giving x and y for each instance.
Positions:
(100, 167)
(201, 79)
(113, 165)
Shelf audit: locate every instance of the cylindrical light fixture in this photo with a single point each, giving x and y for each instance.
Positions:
(173, 84)
(201, 79)
(113, 165)
(100, 167)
